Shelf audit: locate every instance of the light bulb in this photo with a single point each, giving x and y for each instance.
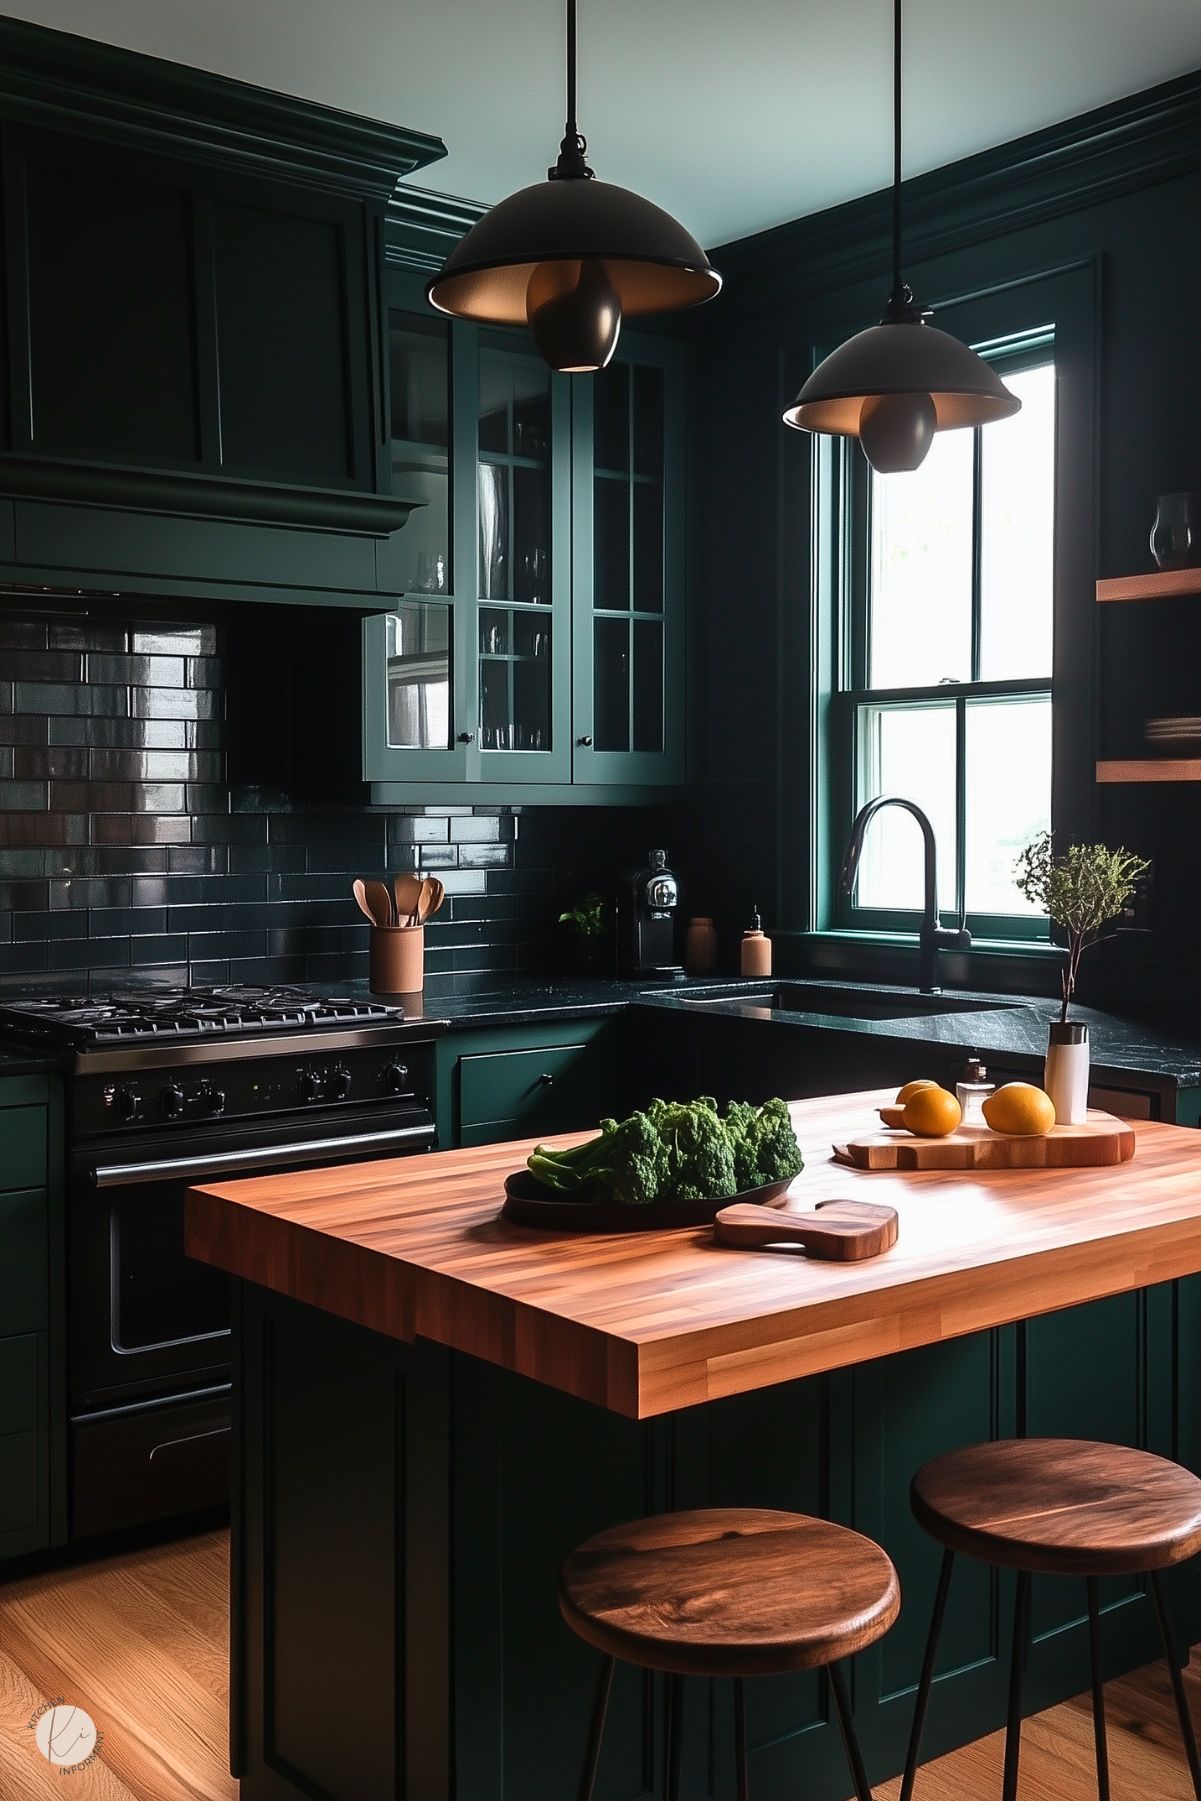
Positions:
(896, 430)
(575, 315)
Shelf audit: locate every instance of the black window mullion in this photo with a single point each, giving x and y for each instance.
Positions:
(961, 805)
(977, 545)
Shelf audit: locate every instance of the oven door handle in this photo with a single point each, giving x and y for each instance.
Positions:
(272, 1156)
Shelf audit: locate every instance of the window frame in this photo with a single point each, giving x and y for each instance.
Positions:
(852, 697)
(977, 296)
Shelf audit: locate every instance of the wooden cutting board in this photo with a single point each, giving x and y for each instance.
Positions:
(1100, 1141)
(841, 1231)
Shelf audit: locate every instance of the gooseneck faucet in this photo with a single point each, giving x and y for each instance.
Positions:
(932, 936)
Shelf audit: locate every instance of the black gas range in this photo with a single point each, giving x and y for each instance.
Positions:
(168, 1087)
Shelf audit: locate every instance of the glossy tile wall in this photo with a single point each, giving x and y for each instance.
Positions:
(126, 852)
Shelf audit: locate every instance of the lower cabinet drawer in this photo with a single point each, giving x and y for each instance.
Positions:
(520, 1093)
(22, 1147)
(24, 1445)
(149, 1464)
(24, 1274)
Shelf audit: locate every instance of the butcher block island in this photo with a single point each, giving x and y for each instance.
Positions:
(433, 1408)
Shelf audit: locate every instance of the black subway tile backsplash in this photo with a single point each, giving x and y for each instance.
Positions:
(127, 851)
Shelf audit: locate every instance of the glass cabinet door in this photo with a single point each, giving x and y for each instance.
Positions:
(421, 554)
(628, 670)
(523, 564)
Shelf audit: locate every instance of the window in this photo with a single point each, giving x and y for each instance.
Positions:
(943, 694)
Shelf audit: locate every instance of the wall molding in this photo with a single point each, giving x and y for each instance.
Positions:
(74, 84)
(1144, 139)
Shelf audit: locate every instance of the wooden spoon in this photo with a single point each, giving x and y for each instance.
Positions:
(407, 890)
(432, 895)
(359, 890)
(379, 903)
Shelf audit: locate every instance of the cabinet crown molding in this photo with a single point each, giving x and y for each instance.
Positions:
(74, 84)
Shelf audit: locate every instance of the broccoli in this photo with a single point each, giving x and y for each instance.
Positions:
(763, 1142)
(675, 1151)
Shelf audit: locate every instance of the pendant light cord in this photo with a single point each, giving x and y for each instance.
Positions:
(896, 151)
(574, 148)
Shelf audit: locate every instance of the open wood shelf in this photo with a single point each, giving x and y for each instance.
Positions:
(1151, 769)
(1162, 584)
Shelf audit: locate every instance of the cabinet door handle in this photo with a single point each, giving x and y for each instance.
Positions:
(584, 741)
(466, 737)
(546, 1081)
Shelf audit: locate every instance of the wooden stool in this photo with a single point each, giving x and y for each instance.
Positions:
(727, 1592)
(1068, 1507)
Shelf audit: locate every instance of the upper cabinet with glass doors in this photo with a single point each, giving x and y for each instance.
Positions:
(537, 634)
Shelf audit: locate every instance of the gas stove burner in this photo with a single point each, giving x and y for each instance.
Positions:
(184, 1013)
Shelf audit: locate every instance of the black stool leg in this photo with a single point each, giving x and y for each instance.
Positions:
(846, 1725)
(1181, 1699)
(1094, 1652)
(927, 1676)
(744, 1781)
(1017, 1672)
(596, 1730)
(675, 1735)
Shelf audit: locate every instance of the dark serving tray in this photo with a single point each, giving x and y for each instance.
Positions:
(527, 1203)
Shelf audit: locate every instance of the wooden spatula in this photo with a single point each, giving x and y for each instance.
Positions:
(842, 1231)
(406, 889)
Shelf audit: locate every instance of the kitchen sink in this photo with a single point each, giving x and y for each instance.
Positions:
(847, 1002)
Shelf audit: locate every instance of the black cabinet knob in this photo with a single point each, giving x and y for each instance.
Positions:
(584, 741)
(310, 1085)
(466, 737)
(546, 1081)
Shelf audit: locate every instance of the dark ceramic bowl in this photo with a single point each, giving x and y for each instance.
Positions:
(528, 1202)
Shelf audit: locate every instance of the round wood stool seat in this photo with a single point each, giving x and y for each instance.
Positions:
(729, 1592)
(1066, 1506)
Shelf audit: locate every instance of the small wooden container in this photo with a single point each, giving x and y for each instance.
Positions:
(396, 959)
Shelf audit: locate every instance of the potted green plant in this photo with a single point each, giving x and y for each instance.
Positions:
(585, 923)
(1081, 890)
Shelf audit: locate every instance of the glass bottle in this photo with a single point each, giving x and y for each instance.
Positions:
(972, 1090)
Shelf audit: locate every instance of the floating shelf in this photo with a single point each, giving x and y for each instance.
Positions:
(1151, 769)
(1163, 584)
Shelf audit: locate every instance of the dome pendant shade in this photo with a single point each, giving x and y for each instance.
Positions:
(896, 431)
(896, 358)
(652, 263)
(574, 314)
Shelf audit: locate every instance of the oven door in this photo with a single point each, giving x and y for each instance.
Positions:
(144, 1318)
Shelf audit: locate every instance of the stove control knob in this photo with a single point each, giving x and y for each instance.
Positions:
(396, 1078)
(171, 1101)
(310, 1085)
(127, 1103)
(339, 1084)
(216, 1100)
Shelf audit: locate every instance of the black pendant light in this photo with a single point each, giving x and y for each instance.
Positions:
(896, 384)
(571, 256)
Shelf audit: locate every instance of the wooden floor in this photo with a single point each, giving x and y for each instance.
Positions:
(139, 1641)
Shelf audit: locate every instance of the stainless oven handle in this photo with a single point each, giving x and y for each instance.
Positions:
(271, 1156)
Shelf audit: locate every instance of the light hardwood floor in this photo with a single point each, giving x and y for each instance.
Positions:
(139, 1640)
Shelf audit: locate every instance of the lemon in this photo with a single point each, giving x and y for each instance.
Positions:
(1020, 1110)
(911, 1088)
(931, 1113)
(891, 1116)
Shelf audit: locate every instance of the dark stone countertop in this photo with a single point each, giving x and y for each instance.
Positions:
(29, 1060)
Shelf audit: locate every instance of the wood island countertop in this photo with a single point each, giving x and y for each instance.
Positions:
(648, 1322)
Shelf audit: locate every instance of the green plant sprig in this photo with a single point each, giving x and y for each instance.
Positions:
(1081, 890)
(588, 916)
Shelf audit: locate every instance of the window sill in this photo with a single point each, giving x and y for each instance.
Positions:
(845, 939)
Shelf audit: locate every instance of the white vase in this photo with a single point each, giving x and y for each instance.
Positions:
(1065, 1075)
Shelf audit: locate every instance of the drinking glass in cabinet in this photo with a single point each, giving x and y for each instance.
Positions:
(418, 676)
(514, 476)
(515, 680)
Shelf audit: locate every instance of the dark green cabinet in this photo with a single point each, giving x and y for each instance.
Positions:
(537, 640)
(523, 1081)
(31, 1432)
(184, 338)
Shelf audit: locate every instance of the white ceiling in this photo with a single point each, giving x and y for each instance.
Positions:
(734, 114)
